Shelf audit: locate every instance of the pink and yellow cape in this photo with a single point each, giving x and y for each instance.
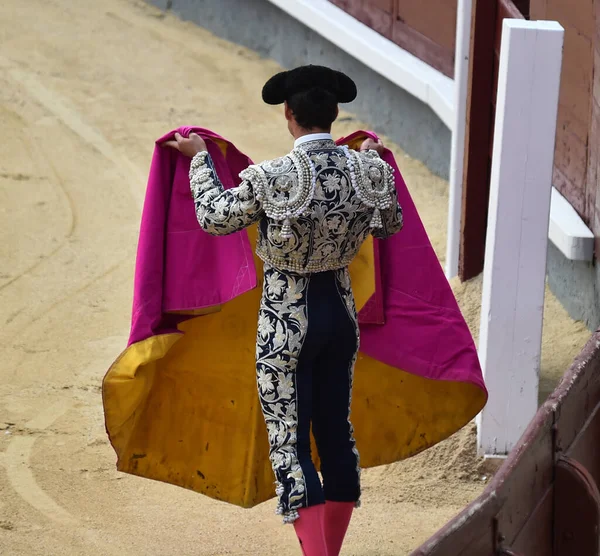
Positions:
(180, 402)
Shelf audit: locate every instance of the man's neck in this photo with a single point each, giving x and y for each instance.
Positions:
(302, 132)
(312, 136)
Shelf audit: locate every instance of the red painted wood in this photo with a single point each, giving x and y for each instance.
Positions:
(576, 396)
(577, 510)
(575, 13)
(471, 533)
(508, 9)
(372, 14)
(569, 123)
(586, 448)
(593, 170)
(435, 19)
(513, 504)
(385, 5)
(525, 479)
(523, 7)
(593, 175)
(536, 536)
(477, 139)
(576, 159)
(571, 159)
(540, 503)
(426, 28)
(423, 48)
(341, 3)
(483, 86)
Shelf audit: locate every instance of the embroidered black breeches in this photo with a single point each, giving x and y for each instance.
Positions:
(306, 350)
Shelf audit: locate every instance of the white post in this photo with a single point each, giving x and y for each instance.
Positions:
(517, 234)
(461, 83)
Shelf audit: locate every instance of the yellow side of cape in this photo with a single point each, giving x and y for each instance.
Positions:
(184, 409)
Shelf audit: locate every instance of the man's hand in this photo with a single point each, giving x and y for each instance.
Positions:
(369, 144)
(191, 146)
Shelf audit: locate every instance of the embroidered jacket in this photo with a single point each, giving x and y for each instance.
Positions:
(315, 206)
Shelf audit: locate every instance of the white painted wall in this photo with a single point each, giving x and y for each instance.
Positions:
(517, 235)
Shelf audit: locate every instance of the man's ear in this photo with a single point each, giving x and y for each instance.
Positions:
(289, 115)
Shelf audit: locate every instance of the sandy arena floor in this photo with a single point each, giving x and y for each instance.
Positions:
(85, 88)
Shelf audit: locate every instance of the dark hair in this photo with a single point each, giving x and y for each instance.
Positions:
(314, 108)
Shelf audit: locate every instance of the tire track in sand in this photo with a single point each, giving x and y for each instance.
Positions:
(33, 155)
(59, 107)
(16, 458)
(16, 461)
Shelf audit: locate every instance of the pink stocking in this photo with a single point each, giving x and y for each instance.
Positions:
(337, 519)
(309, 530)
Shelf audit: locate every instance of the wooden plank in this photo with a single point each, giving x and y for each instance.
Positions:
(592, 192)
(585, 449)
(485, 44)
(384, 5)
(514, 498)
(572, 168)
(592, 174)
(577, 510)
(579, 60)
(577, 394)
(479, 126)
(536, 537)
(537, 9)
(570, 160)
(506, 10)
(517, 233)
(568, 122)
(423, 47)
(471, 533)
(523, 7)
(579, 15)
(429, 35)
(435, 19)
(595, 197)
(372, 15)
(560, 181)
(523, 482)
(576, 99)
(573, 171)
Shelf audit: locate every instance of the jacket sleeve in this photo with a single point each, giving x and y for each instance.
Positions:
(391, 217)
(221, 211)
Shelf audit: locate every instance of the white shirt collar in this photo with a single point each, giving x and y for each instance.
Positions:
(312, 137)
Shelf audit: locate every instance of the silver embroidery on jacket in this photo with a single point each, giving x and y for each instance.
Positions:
(305, 225)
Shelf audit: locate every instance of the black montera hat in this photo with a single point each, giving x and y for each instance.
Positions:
(283, 85)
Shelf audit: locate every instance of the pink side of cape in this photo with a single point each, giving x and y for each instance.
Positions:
(178, 265)
(424, 331)
(412, 322)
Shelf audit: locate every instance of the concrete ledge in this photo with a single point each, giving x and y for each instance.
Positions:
(567, 230)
